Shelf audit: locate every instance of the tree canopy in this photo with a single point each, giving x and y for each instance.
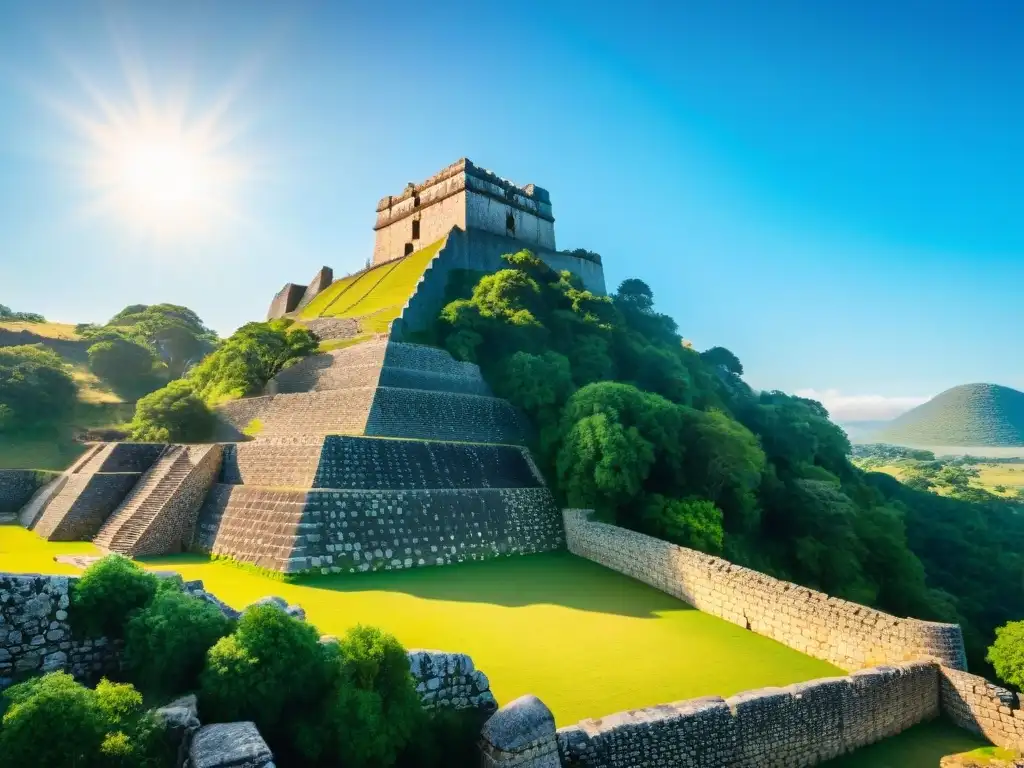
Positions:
(654, 436)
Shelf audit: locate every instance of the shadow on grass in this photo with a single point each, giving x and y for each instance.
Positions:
(552, 578)
(922, 746)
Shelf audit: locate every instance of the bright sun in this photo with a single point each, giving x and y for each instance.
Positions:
(158, 168)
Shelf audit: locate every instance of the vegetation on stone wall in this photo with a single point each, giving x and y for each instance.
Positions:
(318, 702)
(661, 439)
(240, 366)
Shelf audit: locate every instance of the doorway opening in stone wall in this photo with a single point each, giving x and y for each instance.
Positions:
(408, 249)
(510, 224)
(416, 201)
(415, 229)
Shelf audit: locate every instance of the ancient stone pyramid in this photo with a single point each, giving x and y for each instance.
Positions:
(381, 455)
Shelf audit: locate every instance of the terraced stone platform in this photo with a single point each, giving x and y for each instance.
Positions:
(377, 456)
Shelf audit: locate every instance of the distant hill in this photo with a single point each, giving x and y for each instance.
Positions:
(984, 415)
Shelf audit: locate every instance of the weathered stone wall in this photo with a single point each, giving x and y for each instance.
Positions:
(127, 457)
(372, 464)
(848, 635)
(333, 327)
(418, 357)
(450, 680)
(18, 485)
(283, 462)
(35, 635)
(974, 703)
(355, 366)
(173, 526)
(252, 525)
(323, 278)
(83, 505)
(798, 725)
(285, 300)
(332, 412)
(428, 415)
(350, 531)
(406, 378)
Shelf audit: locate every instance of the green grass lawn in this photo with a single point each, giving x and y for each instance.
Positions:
(588, 641)
(920, 747)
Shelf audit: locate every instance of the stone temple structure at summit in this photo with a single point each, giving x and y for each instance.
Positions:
(376, 453)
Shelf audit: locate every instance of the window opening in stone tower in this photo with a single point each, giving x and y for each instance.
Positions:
(408, 248)
(510, 223)
(415, 229)
(416, 201)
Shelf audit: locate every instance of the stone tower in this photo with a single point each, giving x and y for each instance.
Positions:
(469, 197)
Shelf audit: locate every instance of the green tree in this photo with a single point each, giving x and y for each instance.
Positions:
(177, 333)
(720, 357)
(1007, 654)
(166, 643)
(126, 365)
(174, 413)
(694, 523)
(106, 595)
(36, 389)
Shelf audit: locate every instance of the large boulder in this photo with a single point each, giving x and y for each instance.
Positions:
(180, 720)
(229, 745)
(522, 733)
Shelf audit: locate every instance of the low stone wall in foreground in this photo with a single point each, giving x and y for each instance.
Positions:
(977, 705)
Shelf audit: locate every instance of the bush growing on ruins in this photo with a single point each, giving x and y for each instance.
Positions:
(103, 599)
(174, 413)
(56, 722)
(444, 737)
(1006, 654)
(272, 670)
(253, 355)
(166, 642)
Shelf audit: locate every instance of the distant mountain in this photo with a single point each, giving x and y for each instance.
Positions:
(862, 431)
(986, 415)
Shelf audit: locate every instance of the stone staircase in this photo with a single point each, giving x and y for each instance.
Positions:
(123, 529)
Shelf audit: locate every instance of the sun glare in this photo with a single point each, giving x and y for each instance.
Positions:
(157, 167)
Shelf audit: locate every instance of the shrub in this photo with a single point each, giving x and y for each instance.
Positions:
(694, 523)
(272, 670)
(444, 737)
(166, 643)
(1006, 654)
(51, 721)
(174, 413)
(373, 712)
(35, 388)
(126, 365)
(106, 595)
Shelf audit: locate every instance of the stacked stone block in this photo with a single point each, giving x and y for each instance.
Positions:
(370, 464)
(409, 378)
(353, 531)
(83, 504)
(428, 415)
(450, 680)
(18, 485)
(846, 634)
(799, 725)
(333, 327)
(273, 462)
(259, 526)
(35, 635)
(972, 702)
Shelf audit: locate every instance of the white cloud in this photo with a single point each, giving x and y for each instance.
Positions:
(844, 407)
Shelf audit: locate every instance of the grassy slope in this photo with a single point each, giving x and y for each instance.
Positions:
(586, 640)
(375, 296)
(99, 407)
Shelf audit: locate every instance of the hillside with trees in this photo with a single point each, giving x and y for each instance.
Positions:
(973, 415)
(662, 439)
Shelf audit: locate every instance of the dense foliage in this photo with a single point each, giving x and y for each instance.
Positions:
(634, 423)
(1007, 654)
(108, 593)
(240, 366)
(166, 642)
(36, 389)
(56, 722)
(8, 315)
(175, 333)
(174, 413)
(130, 367)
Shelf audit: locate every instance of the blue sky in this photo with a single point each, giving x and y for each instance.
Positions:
(831, 190)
